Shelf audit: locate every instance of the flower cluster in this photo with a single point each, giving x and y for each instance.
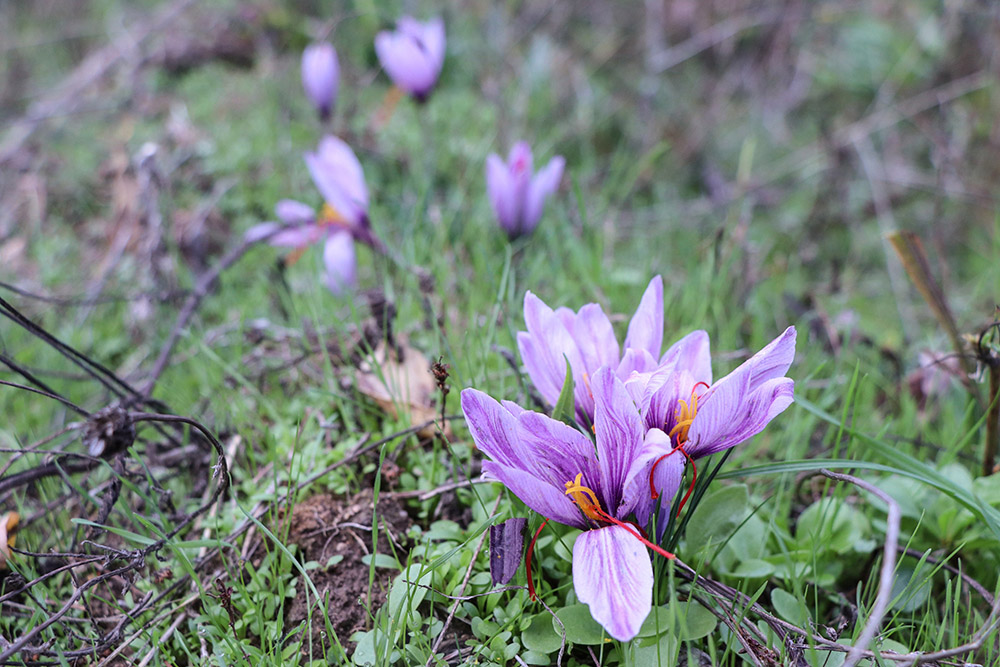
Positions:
(412, 56)
(645, 415)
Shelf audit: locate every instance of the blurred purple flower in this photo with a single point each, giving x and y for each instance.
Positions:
(595, 486)
(516, 192)
(342, 220)
(320, 74)
(413, 54)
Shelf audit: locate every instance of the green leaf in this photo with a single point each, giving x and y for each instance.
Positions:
(126, 534)
(654, 654)
(535, 658)
(364, 652)
(909, 466)
(717, 516)
(910, 589)
(695, 622)
(789, 607)
(581, 628)
(753, 568)
(565, 409)
(831, 523)
(541, 636)
(409, 588)
(381, 560)
(684, 621)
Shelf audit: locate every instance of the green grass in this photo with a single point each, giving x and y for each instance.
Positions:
(719, 173)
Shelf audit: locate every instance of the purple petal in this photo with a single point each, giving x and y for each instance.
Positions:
(557, 452)
(520, 159)
(732, 414)
(620, 432)
(412, 56)
(340, 262)
(320, 74)
(635, 360)
(542, 185)
(645, 330)
(338, 176)
(548, 450)
(434, 42)
(500, 190)
(506, 549)
(667, 476)
(261, 231)
(612, 573)
(293, 212)
(537, 365)
(549, 348)
(540, 496)
(773, 360)
(692, 354)
(296, 237)
(595, 338)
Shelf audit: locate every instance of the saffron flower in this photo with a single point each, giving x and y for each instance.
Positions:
(517, 194)
(595, 486)
(587, 341)
(343, 219)
(320, 77)
(413, 55)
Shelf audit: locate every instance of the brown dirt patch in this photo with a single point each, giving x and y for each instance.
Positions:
(325, 526)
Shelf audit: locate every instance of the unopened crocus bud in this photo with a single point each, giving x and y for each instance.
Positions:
(320, 75)
(412, 55)
(518, 194)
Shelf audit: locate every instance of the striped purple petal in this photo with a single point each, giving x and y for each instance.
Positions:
(613, 575)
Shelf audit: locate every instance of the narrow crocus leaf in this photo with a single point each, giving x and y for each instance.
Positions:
(565, 408)
(506, 548)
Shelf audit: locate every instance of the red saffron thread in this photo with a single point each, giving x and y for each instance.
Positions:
(694, 478)
(527, 563)
(653, 493)
(607, 517)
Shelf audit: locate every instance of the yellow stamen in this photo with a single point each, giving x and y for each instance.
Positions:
(328, 215)
(685, 417)
(585, 498)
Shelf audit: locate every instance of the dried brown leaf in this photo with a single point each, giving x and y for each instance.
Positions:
(400, 379)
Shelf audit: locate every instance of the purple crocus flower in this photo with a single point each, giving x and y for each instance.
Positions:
(516, 193)
(343, 219)
(595, 486)
(587, 340)
(412, 55)
(320, 75)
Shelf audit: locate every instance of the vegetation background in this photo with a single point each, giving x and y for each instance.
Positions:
(760, 155)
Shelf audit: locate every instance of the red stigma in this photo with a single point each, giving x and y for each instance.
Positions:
(654, 494)
(694, 478)
(663, 552)
(527, 563)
